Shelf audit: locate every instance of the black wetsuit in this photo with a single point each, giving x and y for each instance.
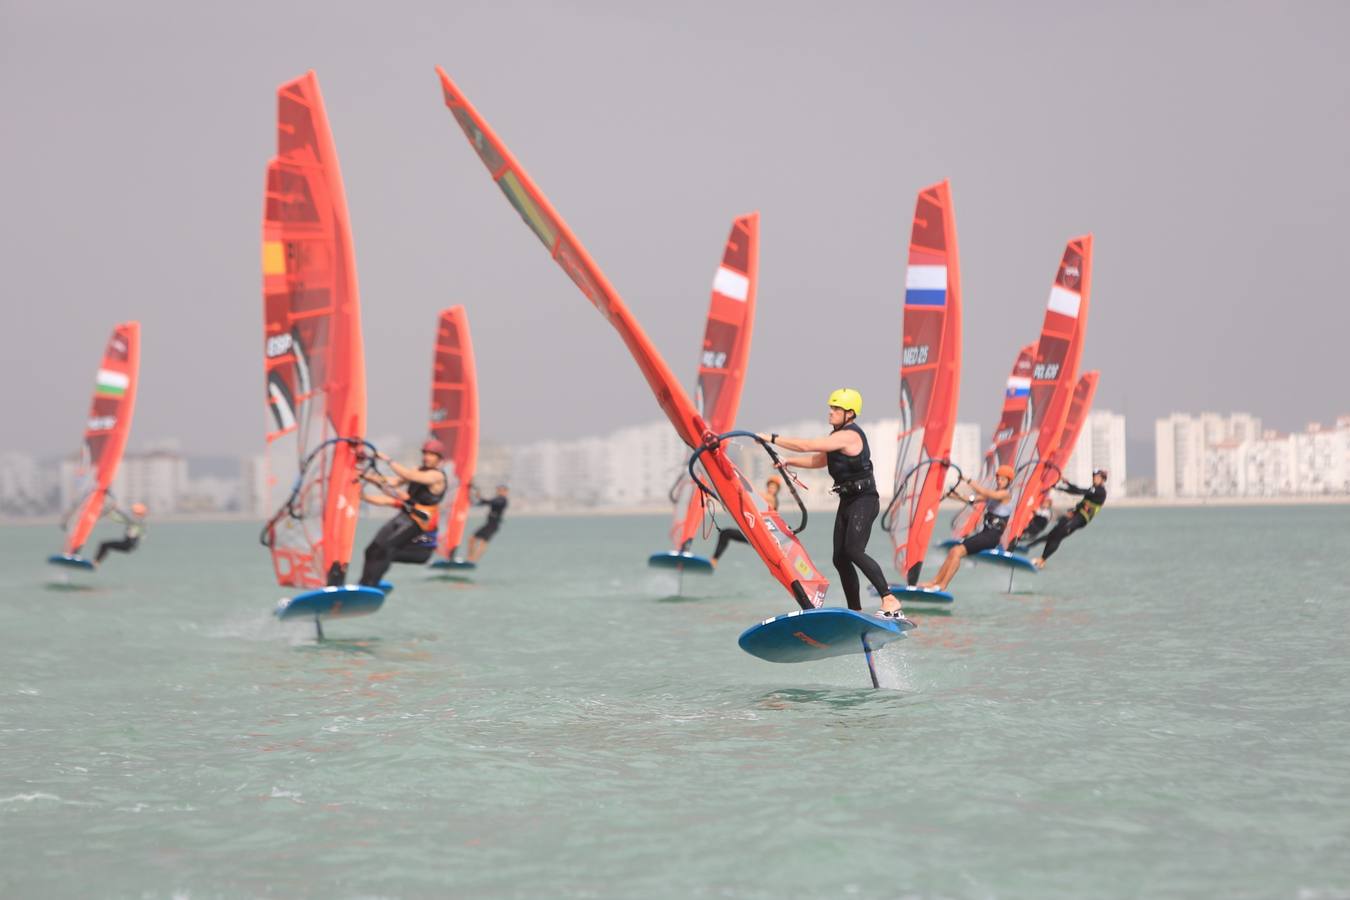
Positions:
(991, 533)
(859, 505)
(1093, 499)
(132, 537)
(401, 538)
(1034, 528)
(496, 507)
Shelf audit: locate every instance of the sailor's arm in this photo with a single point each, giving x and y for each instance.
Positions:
(430, 477)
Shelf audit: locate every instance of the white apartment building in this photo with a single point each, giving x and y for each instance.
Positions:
(156, 478)
(1101, 445)
(1217, 456)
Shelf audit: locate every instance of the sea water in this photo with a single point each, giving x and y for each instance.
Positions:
(1165, 711)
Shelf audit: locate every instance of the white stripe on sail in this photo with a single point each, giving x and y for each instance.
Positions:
(109, 378)
(731, 284)
(926, 278)
(1064, 302)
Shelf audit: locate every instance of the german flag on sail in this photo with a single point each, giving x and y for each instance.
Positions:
(110, 383)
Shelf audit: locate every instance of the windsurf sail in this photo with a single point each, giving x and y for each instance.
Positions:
(105, 431)
(312, 353)
(1007, 434)
(1053, 378)
(726, 352)
(1079, 407)
(930, 379)
(454, 417)
(763, 528)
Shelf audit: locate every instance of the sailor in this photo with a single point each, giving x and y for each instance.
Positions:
(727, 535)
(845, 453)
(403, 538)
(997, 509)
(1039, 520)
(135, 527)
(496, 508)
(1093, 499)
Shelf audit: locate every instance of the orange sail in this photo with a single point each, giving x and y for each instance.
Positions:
(726, 353)
(1007, 435)
(106, 431)
(930, 379)
(1079, 407)
(313, 358)
(1053, 379)
(763, 528)
(454, 417)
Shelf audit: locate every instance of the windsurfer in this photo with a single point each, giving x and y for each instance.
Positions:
(997, 509)
(1093, 499)
(845, 453)
(135, 527)
(727, 535)
(403, 538)
(496, 509)
(1044, 513)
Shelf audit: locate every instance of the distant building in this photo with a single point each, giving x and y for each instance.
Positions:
(1101, 445)
(1230, 456)
(27, 487)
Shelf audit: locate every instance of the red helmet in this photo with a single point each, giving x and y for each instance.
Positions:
(1005, 471)
(431, 445)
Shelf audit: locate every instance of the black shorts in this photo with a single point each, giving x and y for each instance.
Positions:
(984, 539)
(487, 531)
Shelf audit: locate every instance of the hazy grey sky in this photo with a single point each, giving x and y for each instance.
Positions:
(1206, 145)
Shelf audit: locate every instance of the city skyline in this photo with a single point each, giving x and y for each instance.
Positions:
(1196, 229)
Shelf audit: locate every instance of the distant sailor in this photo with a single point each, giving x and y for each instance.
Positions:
(404, 537)
(1039, 520)
(496, 509)
(997, 509)
(724, 539)
(1094, 498)
(135, 527)
(849, 460)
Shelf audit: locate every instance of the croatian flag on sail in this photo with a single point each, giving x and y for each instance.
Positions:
(925, 285)
(1019, 387)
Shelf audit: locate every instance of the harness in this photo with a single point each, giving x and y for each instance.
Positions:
(852, 474)
(423, 505)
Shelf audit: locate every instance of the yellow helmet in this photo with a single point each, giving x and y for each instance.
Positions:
(847, 398)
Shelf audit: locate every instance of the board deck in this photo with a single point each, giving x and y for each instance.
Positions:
(444, 563)
(685, 562)
(1002, 557)
(909, 594)
(341, 602)
(811, 634)
(71, 561)
(386, 587)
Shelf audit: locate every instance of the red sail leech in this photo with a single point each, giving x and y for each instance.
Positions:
(763, 528)
(930, 375)
(1079, 407)
(1007, 434)
(106, 430)
(1053, 379)
(313, 358)
(454, 417)
(725, 354)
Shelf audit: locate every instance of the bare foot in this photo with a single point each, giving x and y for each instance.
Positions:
(1038, 563)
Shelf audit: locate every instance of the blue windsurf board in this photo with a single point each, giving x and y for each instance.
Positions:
(443, 563)
(71, 561)
(340, 602)
(685, 562)
(911, 594)
(811, 634)
(1002, 557)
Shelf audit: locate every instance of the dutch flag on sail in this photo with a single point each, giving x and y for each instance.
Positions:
(925, 285)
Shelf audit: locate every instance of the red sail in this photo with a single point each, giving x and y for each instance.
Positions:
(764, 529)
(454, 416)
(106, 431)
(1079, 407)
(1007, 434)
(726, 352)
(930, 378)
(313, 359)
(1052, 383)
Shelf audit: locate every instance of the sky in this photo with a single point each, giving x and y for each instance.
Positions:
(1205, 145)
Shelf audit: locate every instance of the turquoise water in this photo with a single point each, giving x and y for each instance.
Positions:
(1164, 712)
